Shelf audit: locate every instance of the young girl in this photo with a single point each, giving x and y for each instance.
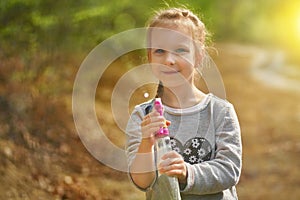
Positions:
(204, 130)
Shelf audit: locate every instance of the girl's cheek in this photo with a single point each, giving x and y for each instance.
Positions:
(186, 58)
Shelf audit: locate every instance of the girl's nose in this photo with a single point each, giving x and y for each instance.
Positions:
(170, 59)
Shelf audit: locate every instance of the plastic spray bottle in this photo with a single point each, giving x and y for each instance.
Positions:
(168, 184)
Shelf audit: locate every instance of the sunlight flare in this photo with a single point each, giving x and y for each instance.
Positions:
(298, 25)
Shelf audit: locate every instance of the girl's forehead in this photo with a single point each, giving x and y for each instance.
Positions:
(169, 37)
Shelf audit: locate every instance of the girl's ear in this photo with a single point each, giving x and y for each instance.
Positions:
(198, 57)
(199, 50)
(149, 54)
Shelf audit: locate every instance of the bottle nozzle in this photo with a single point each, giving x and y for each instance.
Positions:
(159, 108)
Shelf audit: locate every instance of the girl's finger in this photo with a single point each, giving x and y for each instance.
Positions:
(149, 130)
(151, 119)
(175, 172)
(171, 154)
(170, 161)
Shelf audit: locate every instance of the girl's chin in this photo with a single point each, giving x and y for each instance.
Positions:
(170, 81)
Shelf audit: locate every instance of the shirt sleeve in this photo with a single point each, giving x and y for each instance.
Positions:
(133, 140)
(224, 170)
(133, 134)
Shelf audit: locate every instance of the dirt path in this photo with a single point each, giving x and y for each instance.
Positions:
(269, 67)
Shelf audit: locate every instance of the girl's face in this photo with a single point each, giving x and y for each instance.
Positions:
(172, 55)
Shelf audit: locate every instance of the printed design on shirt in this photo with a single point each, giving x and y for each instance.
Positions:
(195, 150)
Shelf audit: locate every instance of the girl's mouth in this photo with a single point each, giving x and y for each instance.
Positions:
(170, 72)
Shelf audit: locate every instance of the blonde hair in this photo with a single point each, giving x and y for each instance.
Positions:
(182, 18)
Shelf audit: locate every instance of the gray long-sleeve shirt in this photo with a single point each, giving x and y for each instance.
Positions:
(208, 137)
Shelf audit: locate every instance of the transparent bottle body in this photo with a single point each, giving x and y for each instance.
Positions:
(170, 183)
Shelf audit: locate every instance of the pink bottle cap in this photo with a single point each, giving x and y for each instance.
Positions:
(159, 107)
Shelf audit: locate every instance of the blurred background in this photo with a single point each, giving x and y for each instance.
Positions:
(43, 43)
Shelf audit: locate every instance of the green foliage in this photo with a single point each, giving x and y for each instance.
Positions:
(26, 26)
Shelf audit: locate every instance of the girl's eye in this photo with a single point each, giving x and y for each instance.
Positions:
(181, 50)
(159, 51)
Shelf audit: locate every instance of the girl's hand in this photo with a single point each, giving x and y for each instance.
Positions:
(150, 125)
(172, 164)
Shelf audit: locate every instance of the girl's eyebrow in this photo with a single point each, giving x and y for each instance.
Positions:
(183, 45)
(170, 47)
